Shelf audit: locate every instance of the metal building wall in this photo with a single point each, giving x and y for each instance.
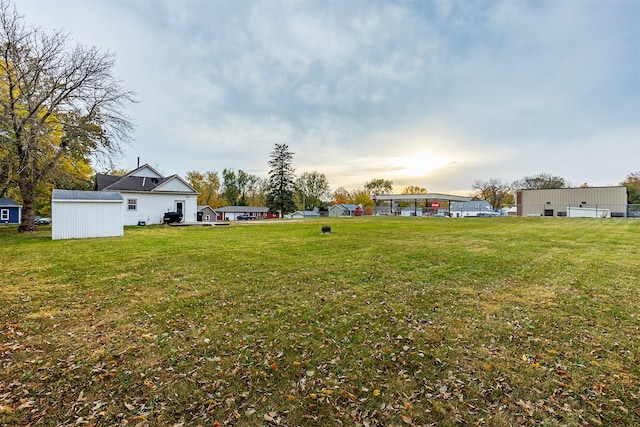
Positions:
(78, 219)
(536, 202)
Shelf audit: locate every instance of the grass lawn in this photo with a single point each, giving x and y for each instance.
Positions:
(385, 321)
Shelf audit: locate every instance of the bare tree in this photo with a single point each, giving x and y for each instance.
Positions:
(379, 186)
(493, 191)
(539, 182)
(57, 102)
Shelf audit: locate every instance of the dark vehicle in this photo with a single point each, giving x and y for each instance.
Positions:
(171, 217)
(244, 218)
(488, 214)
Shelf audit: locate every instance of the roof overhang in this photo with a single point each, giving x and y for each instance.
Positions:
(420, 197)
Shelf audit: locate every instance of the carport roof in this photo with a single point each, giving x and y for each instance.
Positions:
(420, 197)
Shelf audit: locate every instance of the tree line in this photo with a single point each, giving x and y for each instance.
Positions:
(62, 110)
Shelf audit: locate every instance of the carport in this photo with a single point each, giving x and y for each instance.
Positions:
(431, 200)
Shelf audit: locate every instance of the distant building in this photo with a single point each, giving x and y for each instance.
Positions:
(472, 208)
(305, 214)
(557, 202)
(206, 214)
(231, 213)
(344, 209)
(10, 211)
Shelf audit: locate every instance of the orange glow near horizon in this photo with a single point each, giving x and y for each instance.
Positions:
(419, 164)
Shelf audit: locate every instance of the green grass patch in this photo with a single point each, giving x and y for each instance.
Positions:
(385, 321)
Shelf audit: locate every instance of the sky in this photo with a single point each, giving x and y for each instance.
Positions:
(436, 94)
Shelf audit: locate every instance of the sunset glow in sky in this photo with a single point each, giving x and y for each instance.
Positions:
(435, 94)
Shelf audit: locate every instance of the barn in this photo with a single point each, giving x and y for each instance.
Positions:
(84, 214)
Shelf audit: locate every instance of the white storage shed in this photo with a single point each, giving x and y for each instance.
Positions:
(82, 214)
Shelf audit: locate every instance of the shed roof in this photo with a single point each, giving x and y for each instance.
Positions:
(8, 203)
(77, 195)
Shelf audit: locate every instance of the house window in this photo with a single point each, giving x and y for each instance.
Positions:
(4, 215)
(207, 218)
(132, 204)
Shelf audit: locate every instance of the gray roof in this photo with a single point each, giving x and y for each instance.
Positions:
(127, 183)
(86, 195)
(306, 213)
(242, 209)
(472, 205)
(8, 203)
(346, 207)
(420, 197)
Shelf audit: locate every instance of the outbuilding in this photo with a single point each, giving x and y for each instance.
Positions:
(206, 214)
(83, 214)
(10, 211)
(561, 201)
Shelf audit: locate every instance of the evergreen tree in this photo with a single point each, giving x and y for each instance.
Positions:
(280, 194)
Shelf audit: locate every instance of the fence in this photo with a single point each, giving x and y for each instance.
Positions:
(580, 210)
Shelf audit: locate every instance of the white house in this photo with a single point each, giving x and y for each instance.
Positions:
(148, 195)
(81, 214)
(305, 214)
(411, 211)
(472, 208)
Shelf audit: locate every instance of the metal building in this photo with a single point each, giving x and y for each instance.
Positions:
(83, 214)
(559, 202)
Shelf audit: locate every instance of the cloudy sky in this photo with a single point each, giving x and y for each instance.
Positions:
(430, 93)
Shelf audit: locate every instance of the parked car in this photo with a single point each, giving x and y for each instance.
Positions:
(244, 218)
(171, 217)
(43, 221)
(488, 214)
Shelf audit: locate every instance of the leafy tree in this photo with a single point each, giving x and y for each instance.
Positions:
(341, 196)
(494, 191)
(230, 187)
(362, 197)
(540, 182)
(257, 191)
(242, 188)
(311, 189)
(208, 184)
(59, 105)
(632, 182)
(379, 186)
(414, 189)
(281, 180)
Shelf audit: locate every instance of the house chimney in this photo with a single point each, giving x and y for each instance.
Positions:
(138, 161)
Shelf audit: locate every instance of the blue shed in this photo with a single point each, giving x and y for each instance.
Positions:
(10, 211)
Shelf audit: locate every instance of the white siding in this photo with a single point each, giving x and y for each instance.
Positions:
(86, 218)
(174, 185)
(146, 171)
(151, 207)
